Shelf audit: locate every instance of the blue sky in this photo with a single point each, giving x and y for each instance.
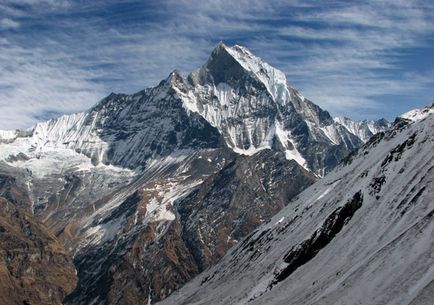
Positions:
(368, 60)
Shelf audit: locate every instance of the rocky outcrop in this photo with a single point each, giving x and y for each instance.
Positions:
(34, 266)
(302, 253)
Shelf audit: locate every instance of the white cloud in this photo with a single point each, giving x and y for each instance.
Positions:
(31, 85)
(7, 24)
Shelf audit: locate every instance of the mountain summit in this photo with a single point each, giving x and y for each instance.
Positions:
(254, 108)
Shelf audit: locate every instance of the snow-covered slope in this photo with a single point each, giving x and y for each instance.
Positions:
(418, 114)
(7, 135)
(361, 235)
(364, 129)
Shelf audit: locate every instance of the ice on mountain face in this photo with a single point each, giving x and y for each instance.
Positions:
(48, 158)
(226, 105)
(56, 139)
(76, 131)
(290, 149)
(254, 134)
(274, 79)
(332, 134)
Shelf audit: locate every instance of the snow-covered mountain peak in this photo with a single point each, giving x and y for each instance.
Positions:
(174, 77)
(363, 129)
(239, 61)
(272, 78)
(418, 114)
(254, 108)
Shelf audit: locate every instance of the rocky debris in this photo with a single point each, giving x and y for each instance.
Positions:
(396, 153)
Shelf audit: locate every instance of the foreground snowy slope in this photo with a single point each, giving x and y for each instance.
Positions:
(364, 234)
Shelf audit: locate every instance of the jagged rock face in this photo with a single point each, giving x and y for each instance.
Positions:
(13, 186)
(153, 123)
(136, 269)
(34, 266)
(246, 193)
(154, 252)
(302, 253)
(362, 234)
(129, 249)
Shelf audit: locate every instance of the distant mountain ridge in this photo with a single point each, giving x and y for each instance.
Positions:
(363, 129)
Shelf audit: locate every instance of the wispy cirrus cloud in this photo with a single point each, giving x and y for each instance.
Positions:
(353, 59)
